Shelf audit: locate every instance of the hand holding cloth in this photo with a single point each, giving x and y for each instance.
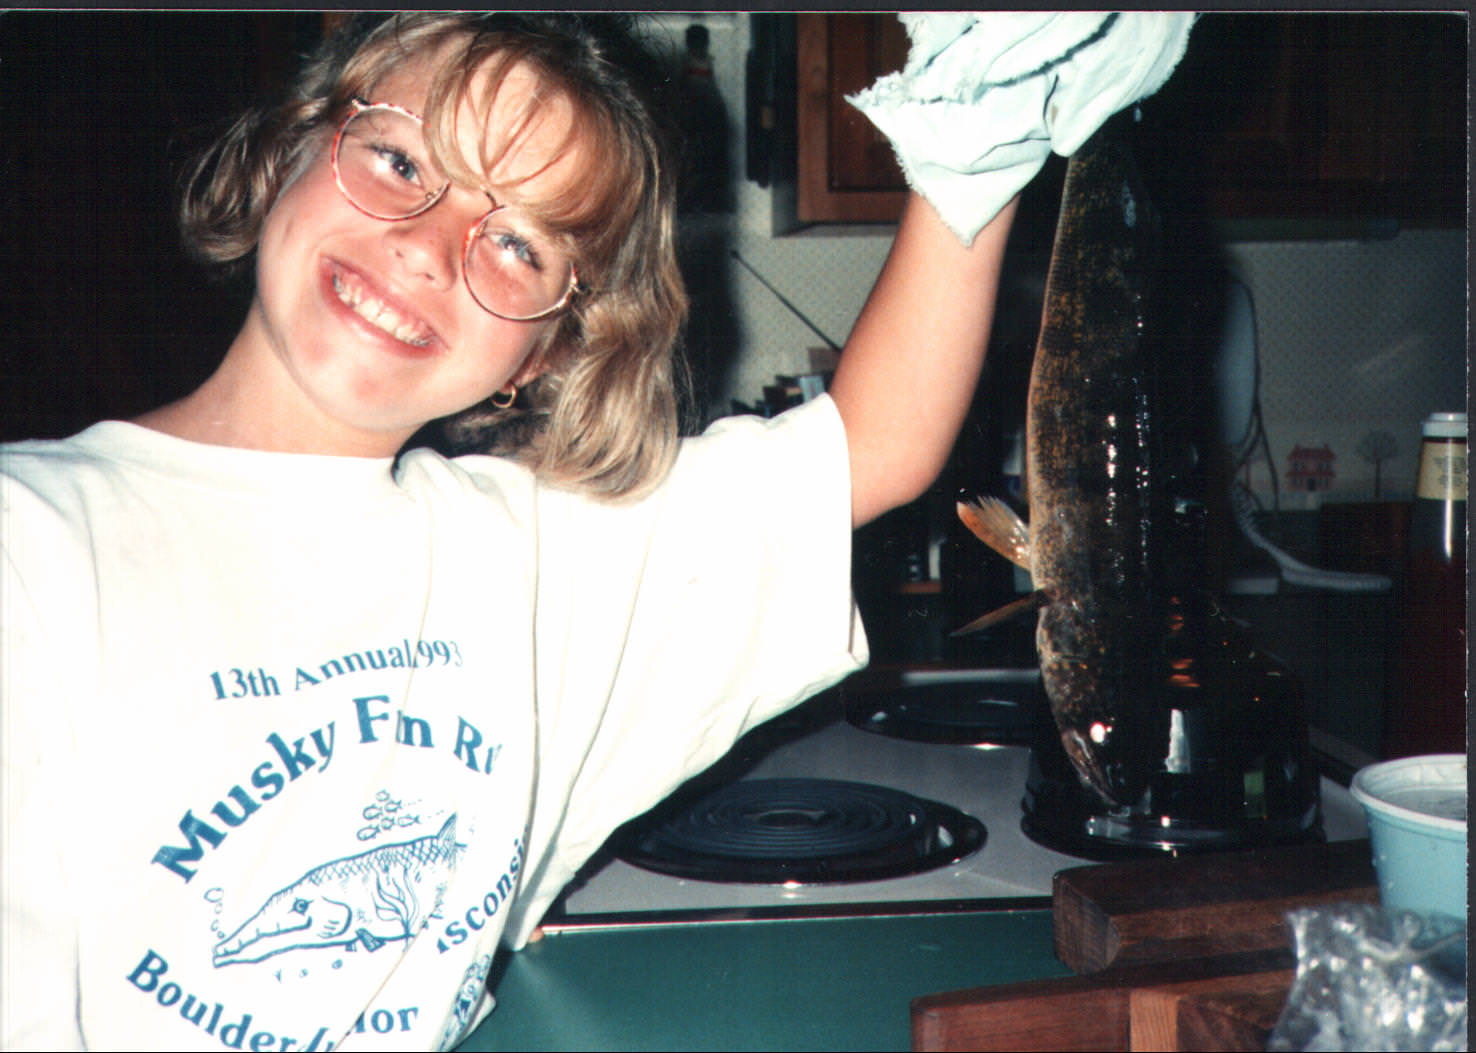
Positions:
(985, 97)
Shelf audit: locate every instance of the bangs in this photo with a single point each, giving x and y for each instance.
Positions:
(595, 203)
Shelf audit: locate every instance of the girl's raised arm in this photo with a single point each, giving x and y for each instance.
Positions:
(907, 374)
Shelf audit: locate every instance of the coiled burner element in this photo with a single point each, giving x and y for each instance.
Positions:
(804, 831)
(1000, 714)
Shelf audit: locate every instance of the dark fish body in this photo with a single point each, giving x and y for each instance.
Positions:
(1091, 479)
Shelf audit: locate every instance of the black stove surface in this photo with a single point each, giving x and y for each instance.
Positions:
(803, 831)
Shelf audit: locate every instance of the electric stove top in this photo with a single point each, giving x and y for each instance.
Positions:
(784, 824)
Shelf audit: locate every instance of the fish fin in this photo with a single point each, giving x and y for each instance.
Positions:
(1013, 609)
(446, 838)
(368, 940)
(995, 523)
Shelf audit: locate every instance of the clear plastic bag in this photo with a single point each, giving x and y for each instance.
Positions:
(1371, 980)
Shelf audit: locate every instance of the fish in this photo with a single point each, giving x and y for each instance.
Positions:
(358, 902)
(1092, 494)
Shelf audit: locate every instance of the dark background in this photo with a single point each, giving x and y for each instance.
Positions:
(103, 314)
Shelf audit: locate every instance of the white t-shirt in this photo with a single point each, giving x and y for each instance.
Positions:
(291, 742)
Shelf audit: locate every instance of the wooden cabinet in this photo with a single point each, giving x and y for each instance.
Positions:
(845, 171)
(1348, 115)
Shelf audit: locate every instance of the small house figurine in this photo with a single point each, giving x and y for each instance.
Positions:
(1310, 469)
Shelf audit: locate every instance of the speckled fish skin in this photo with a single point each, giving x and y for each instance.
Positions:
(1089, 472)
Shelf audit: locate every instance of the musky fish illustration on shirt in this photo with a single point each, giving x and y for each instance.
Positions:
(388, 893)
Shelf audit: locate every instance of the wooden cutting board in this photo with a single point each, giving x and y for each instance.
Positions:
(1214, 1003)
(1176, 954)
(1154, 909)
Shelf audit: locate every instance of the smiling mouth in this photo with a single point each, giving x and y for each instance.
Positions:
(380, 314)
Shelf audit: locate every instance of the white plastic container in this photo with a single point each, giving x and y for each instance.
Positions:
(1416, 810)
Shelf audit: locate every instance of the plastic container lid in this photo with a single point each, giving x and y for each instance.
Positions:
(1416, 809)
(1444, 426)
(1427, 791)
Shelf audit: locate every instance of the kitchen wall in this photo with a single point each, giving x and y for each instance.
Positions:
(1354, 336)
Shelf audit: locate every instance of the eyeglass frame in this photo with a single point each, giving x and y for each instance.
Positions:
(361, 106)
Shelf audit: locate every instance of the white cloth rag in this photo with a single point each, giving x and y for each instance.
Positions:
(985, 97)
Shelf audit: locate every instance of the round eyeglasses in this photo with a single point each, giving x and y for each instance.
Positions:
(511, 267)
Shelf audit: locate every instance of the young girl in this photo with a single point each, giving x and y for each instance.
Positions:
(297, 729)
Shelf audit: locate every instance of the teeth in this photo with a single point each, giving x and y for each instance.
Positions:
(379, 314)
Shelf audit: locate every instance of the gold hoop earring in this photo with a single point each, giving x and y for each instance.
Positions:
(505, 398)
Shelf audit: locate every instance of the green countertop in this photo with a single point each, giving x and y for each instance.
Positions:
(814, 984)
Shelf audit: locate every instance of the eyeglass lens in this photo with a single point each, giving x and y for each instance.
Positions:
(513, 269)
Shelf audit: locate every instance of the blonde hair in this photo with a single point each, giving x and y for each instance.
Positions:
(602, 417)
